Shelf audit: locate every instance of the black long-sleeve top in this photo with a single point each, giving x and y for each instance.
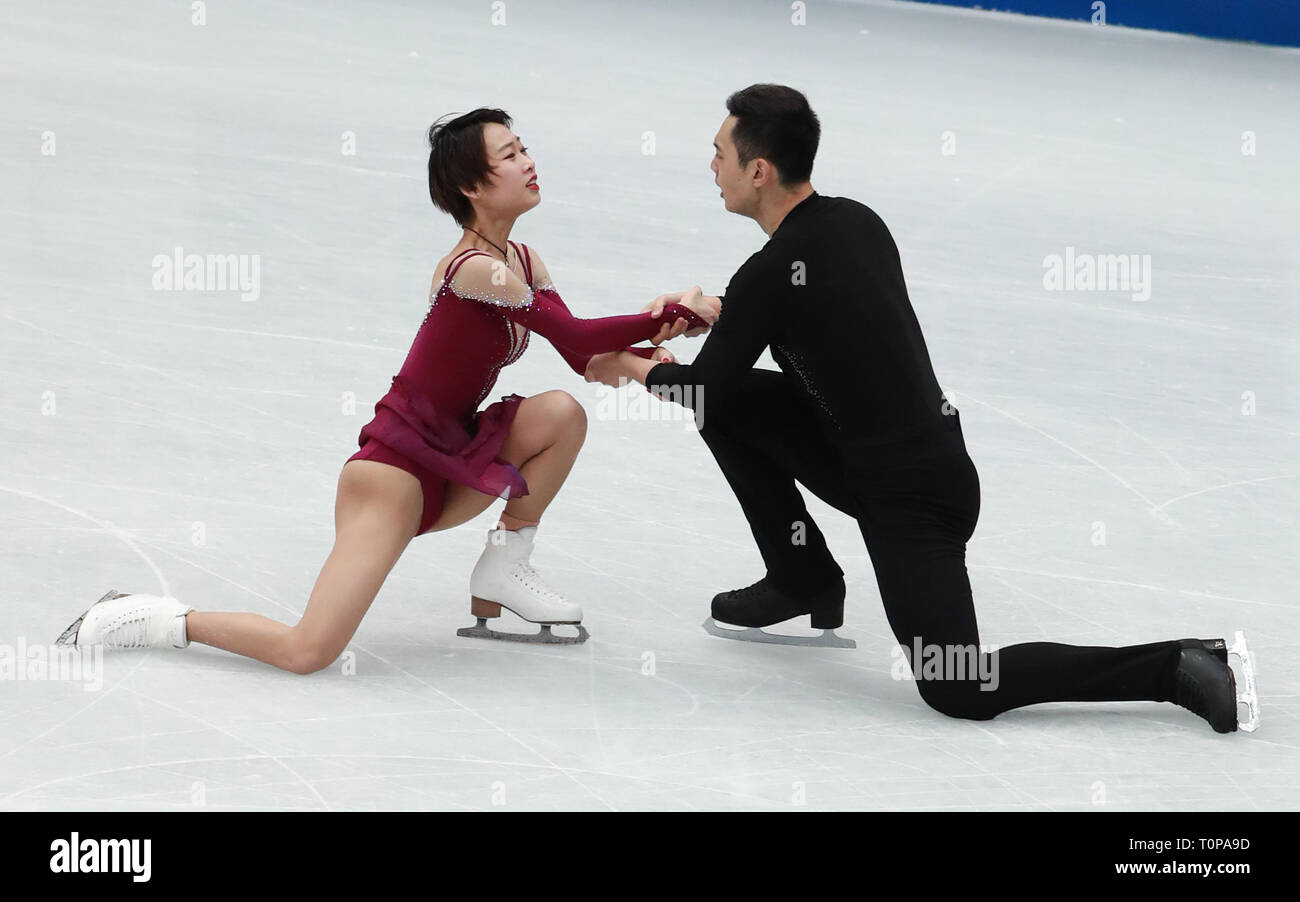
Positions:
(826, 293)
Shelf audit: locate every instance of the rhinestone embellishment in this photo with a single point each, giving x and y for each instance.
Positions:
(498, 300)
(799, 365)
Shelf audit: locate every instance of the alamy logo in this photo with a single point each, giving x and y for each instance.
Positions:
(947, 662)
(102, 856)
(670, 403)
(53, 662)
(214, 272)
(1098, 272)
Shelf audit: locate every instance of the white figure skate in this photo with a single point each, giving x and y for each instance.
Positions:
(121, 620)
(503, 578)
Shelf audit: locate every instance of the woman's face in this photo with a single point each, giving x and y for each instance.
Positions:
(511, 187)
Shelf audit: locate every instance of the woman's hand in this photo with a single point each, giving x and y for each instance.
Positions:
(706, 307)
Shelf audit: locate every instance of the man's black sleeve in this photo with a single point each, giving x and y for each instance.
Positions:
(746, 326)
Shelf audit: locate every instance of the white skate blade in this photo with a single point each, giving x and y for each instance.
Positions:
(69, 636)
(1249, 698)
(481, 630)
(827, 639)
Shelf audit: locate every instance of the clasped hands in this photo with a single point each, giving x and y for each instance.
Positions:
(614, 366)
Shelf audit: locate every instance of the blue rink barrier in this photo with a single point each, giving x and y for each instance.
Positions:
(1264, 21)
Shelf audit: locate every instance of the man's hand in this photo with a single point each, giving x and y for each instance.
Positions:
(618, 368)
(607, 368)
(671, 330)
(707, 307)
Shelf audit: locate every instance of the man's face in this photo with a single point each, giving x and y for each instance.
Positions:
(738, 192)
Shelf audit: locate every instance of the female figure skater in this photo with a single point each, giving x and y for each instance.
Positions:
(430, 460)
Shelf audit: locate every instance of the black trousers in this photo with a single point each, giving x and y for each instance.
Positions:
(916, 516)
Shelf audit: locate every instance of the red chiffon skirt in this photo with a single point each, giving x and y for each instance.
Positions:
(462, 452)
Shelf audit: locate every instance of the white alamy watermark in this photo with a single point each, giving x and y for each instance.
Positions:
(946, 662)
(1098, 272)
(103, 856)
(53, 663)
(668, 404)
(180, 271)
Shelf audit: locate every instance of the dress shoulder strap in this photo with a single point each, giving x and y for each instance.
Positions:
(458, 260)
(521, 250)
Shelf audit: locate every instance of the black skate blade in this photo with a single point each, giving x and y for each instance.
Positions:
(481, 630)
(827, 639)
(69, 636)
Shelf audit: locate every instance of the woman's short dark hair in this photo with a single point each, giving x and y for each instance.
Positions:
(458, 159)
(776, 123)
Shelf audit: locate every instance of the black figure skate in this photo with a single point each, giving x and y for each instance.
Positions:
(762, 605)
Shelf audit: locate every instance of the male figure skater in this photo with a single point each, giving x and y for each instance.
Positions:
(857, 416)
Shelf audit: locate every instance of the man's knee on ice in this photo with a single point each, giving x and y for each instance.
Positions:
(958, 698)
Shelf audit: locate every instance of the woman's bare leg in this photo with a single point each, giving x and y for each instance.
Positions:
(544, 441)
(376, 514)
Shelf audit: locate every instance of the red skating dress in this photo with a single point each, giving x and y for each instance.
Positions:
(429, 423)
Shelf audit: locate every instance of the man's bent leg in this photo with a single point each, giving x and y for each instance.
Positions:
(916, 531)
(769, 437)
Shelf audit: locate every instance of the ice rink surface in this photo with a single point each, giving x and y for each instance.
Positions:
(1138, 458)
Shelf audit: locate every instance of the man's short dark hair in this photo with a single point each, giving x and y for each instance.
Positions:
(458, 159)
(776, 123)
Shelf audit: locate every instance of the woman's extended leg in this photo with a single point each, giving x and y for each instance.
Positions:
(544, 441)
(376, 514)
(375, 517)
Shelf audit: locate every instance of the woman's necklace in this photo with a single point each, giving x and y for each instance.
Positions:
(504, 252)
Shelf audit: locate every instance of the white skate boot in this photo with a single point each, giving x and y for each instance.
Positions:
(130, 621)
(503, 578)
